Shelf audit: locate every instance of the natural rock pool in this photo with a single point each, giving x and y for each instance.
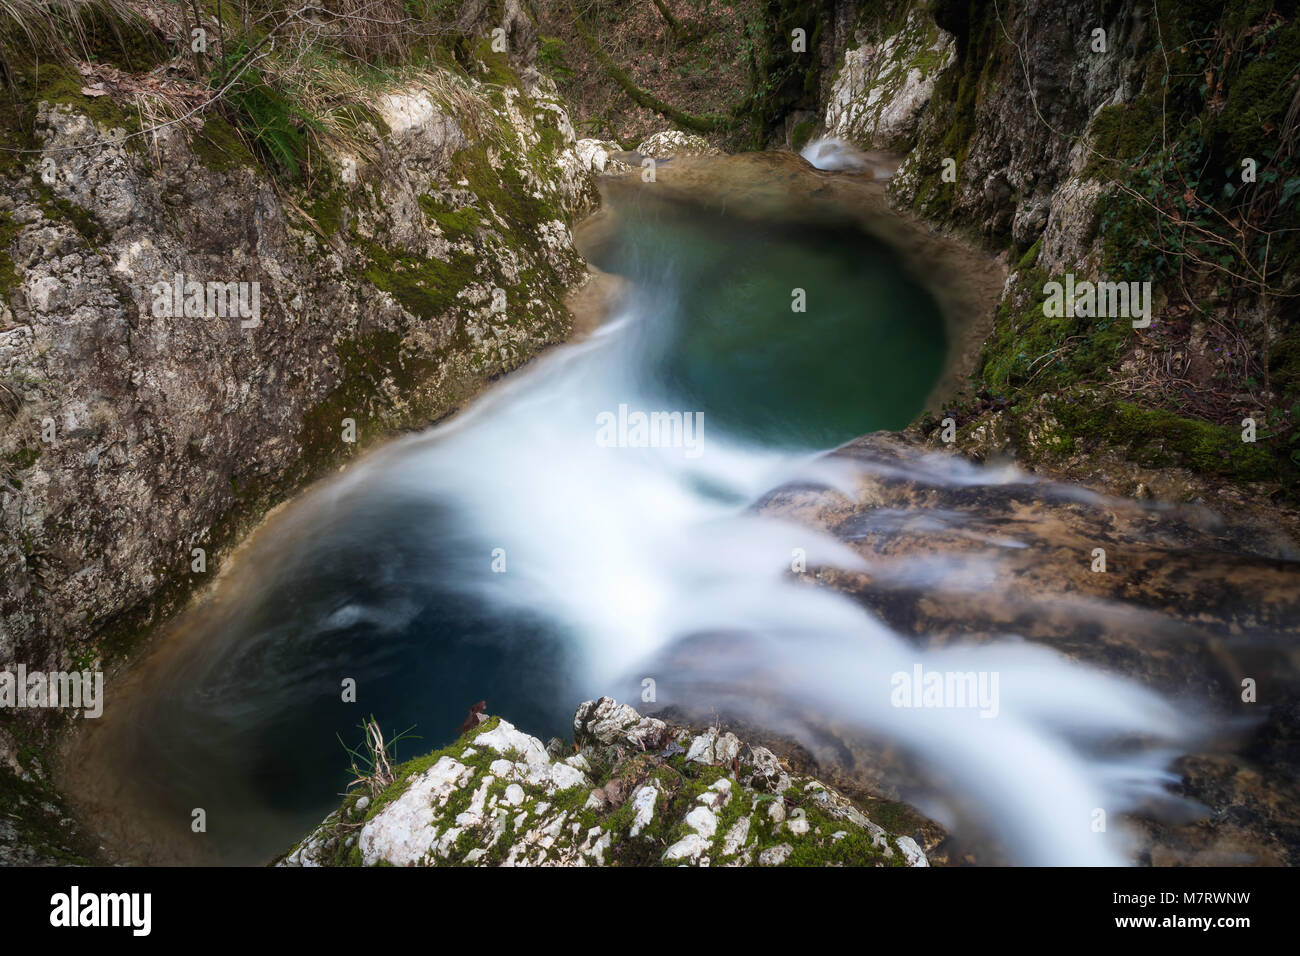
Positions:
(653, 502)
(385, 575)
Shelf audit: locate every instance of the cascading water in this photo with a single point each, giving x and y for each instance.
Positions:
(536, 550)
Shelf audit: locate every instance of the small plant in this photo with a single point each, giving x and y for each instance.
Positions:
(372, 760)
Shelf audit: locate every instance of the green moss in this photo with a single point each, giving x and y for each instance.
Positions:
(505, 192)
(1159, 438)
(1259, 96)
(219, 146)
(10, 278)
(35, 809)
(1030, 257)
(23, 458)
(425, 287)
(453, 222)
(981, 58)
(1284, 363)
(1122, 133)
(497, 65)
(56, 208)
(801, 133)
(328, 209)
(58, 84)
(1027, 345)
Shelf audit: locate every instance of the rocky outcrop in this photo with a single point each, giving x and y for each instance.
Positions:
(878, 96)
(438, 261)
(1058, 136)
(606, 156)
(676, 143)
(633, 791)
(185, 339)
(1187, 599)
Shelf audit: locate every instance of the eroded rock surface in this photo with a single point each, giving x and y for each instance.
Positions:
(635, 791)
(883, 86)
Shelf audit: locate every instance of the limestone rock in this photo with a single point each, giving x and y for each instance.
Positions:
(497, 798)
(882, 88)
(675, 143)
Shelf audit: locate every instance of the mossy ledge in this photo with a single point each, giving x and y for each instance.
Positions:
(629, 791)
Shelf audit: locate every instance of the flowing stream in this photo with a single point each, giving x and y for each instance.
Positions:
(536, 551)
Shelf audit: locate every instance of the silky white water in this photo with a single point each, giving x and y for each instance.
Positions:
(546, 546)
(634, 549)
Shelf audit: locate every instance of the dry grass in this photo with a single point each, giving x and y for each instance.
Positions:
(371, 762)
(314, 62)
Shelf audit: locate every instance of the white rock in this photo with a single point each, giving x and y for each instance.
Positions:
(472, 815)
(775, 855)
(701, 749)
(643, 808)
(768, 775)
(688, 847)
(726, 748)
(914, 855)
(718, 795)
(594, 154)
(447, 841)
(776, 810)
(514, 795)
(674, 142)
(703, 821)
(736, 837)
(504, 738)
(608, 722)
(881, 90)
(401, 833)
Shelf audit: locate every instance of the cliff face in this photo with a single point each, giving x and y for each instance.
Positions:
(1128, 144)
(184, 339)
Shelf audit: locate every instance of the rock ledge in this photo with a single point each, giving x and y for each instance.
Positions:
(631, 790)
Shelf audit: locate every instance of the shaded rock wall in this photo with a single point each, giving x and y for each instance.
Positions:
(137, 429)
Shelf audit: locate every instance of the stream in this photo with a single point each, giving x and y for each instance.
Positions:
(545, 546)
